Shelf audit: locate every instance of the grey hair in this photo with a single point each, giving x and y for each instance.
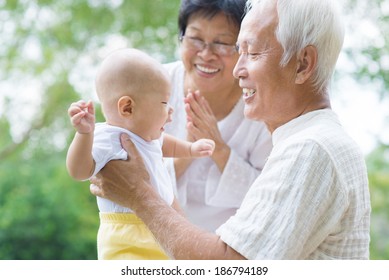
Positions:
(309, 22)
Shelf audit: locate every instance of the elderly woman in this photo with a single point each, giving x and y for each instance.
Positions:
(210, 190)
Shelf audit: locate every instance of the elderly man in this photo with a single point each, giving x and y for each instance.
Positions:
(311, 200)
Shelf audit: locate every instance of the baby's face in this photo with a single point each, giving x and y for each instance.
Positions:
(153, 111)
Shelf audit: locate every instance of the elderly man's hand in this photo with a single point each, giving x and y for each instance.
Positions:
(124, 182)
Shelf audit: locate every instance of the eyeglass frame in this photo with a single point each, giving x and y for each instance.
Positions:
(226, 50)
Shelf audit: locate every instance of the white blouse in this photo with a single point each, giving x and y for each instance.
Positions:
(207, 196)
(311, 200)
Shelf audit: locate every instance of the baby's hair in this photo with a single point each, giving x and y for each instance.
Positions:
(128, 72)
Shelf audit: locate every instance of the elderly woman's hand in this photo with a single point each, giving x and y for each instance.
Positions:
(202, 123)
(123, 181)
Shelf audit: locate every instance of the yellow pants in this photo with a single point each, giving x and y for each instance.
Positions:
(123, 236)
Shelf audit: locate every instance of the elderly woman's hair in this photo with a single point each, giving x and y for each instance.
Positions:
(233, 9)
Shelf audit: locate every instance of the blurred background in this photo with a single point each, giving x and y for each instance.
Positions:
(49, 52)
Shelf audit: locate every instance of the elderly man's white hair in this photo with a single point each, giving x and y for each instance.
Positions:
(309, 22)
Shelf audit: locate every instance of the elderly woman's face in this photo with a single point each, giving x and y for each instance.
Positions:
(208, 53)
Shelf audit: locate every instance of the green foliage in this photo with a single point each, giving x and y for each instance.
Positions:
(372, 59)
(44, 213)
(378, 165)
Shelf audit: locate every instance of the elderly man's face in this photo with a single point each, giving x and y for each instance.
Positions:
(266, 85)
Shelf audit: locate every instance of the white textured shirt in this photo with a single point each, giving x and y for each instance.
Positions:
(107, 146)
(311, 200)
(208, 196)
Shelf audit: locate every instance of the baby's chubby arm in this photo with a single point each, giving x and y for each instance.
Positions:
(79, 160)
(174, 147)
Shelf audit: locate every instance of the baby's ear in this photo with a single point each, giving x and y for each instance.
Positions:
(125, 105)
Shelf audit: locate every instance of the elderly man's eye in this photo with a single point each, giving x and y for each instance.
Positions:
(253, 55)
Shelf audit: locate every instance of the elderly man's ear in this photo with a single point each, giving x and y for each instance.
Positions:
(125, 106)
(306, 64)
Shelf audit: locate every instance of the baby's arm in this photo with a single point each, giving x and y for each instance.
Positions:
(174, 147)
(79, 160)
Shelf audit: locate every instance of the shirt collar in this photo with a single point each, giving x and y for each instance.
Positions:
(297, 124)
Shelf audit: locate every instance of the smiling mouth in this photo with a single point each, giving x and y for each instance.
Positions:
(247, 93)
(207, 70)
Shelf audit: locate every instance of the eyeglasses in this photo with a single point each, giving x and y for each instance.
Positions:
(199, 45)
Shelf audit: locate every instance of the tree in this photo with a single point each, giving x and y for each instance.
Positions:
(368, 51)
(50, 51)
(378, 164)
(370, 54)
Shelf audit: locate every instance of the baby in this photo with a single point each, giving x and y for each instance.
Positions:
(134, 90)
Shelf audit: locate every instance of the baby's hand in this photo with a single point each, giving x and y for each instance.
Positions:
(202, 148)
(82, 116)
